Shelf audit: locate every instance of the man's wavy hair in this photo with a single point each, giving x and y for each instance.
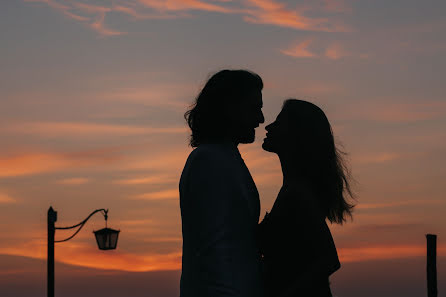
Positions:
(221, 95)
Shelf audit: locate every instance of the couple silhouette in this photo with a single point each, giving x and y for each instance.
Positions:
(226, 252)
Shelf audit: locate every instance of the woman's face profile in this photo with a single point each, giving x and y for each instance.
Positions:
(278, 137)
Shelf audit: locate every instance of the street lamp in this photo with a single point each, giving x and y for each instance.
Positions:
(106, 239)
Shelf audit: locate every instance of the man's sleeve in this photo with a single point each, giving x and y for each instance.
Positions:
(212, 191)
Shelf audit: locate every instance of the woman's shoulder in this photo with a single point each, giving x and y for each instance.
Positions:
(300, 196)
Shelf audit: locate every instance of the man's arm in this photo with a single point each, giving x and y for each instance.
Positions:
(212, 194)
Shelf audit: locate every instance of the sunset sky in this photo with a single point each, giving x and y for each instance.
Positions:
(92, 97)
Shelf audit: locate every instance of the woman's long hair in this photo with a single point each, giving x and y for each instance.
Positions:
(223, 92)
(321, 161)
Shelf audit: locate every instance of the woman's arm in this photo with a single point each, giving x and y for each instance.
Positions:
(319, 249)
(301, 283)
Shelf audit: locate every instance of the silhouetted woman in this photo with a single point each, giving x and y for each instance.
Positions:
(298, 250)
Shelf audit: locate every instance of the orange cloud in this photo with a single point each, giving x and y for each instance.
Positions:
(61, 8)
(274, 13)
(99, 26)
(382, 157)
(31, 164)
(88, 255)
(384, 252)
(300, 50)
(70, 129)
(391, 111)
(165, 161)
(4, 198)
(158, 179)
(136, 222)
(74, 181)
(175, 96)
(95, 14)
(160, 195)
(91, 8)
(406, 112)
(399, 203)
(35, 163)
(253, 11)
(335, 51)
(176, 5)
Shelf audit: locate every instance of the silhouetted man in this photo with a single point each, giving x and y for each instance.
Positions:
(219, 201)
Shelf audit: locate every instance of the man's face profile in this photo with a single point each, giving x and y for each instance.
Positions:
(248, 117)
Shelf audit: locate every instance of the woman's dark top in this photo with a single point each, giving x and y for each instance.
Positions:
(298, 250)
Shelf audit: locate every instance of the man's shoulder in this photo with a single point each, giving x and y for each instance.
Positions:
(213, 153)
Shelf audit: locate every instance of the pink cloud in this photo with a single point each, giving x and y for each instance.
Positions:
(183, 5)
(391, 111)
(94, 18)
(275, 13)
(99, 26)
(269, 12)
(300, 50)
(335, 51)
(379, 157)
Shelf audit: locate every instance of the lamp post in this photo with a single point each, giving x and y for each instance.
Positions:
(106, 239)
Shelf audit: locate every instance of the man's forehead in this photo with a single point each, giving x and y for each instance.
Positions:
(255, 97)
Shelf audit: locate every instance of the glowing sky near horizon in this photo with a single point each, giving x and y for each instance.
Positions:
(92, 97)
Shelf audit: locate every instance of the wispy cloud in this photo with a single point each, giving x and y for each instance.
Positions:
(268, 12)
(383, 252)
(159, 195)
(174, 95)
(399, 204)
(149, 180)
(99, 26)
(6, 199)
(272, 12)
(74, 181)
(86, 128)
(81, 254)
(301, 50)
(91, 15)
(393, 110)
(377, 157)
(41, 162)
(311, 48)
(185, 5)
(335, 51)
(84, 255)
